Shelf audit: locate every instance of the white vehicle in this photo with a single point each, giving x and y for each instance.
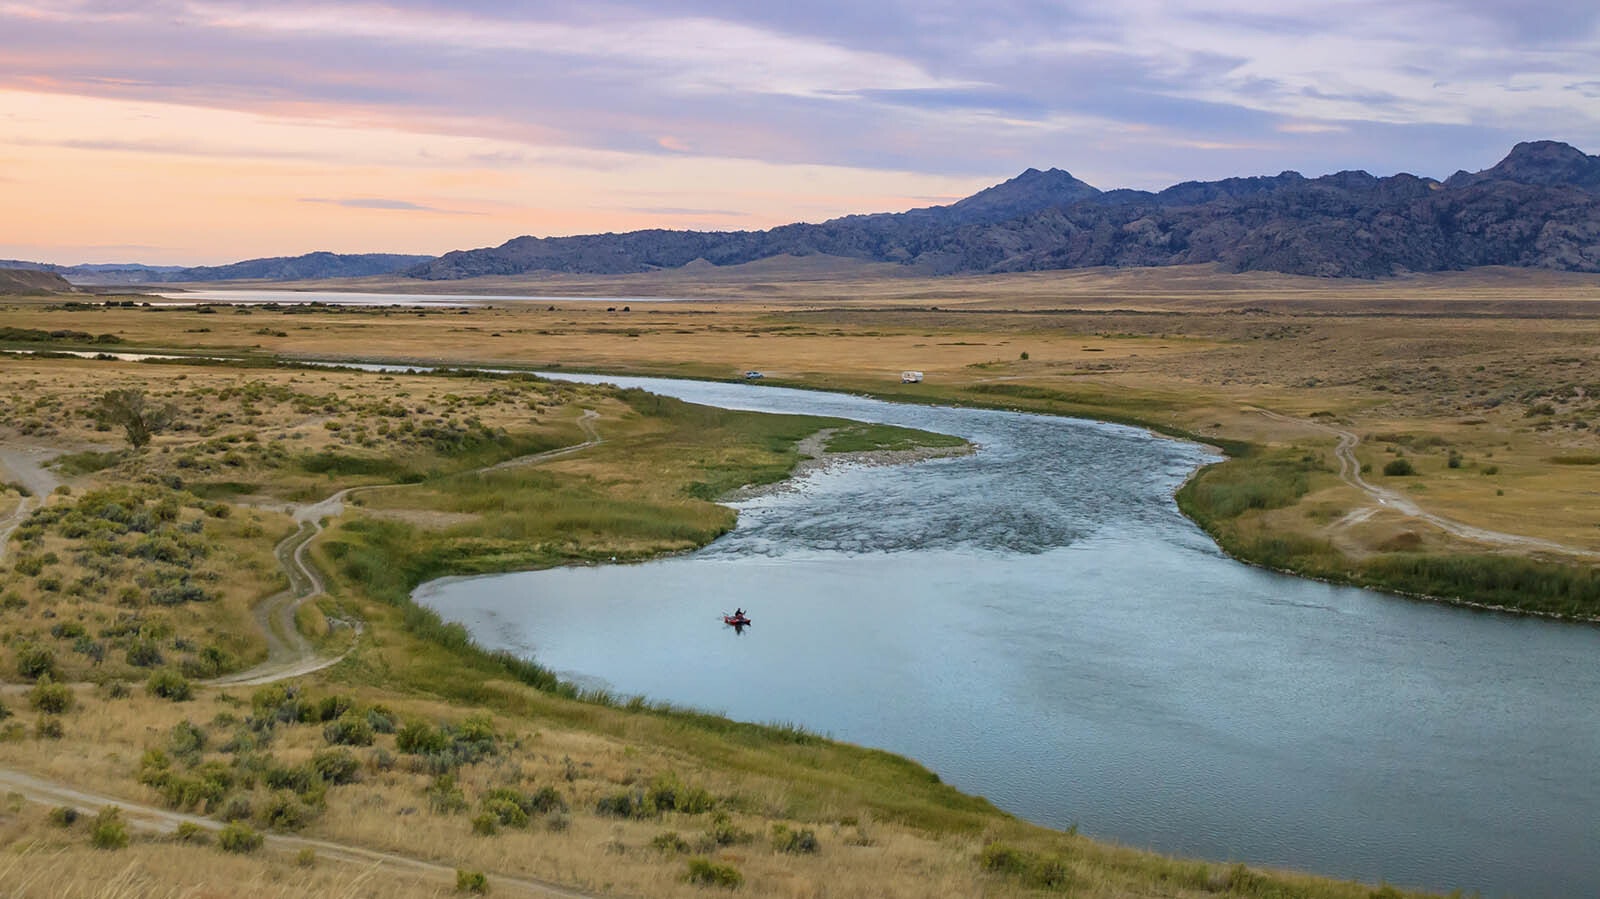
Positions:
(911, 377)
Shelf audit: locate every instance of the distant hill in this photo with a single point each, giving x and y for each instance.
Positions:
(30, 282)
(311, 266)
(1538, 207)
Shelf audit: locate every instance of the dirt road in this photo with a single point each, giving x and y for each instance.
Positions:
(1350, 472)
(163, 821)
(289, 653)
(25, 466)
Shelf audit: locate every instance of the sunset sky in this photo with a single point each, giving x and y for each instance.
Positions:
(206, 132)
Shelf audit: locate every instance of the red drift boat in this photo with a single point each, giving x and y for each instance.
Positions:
(737, 620)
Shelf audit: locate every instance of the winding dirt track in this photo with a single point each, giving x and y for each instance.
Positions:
(1350, 473)
(25, 467)
(289, 653)
(157, 820)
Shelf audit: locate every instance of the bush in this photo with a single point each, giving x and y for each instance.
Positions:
(49, 728)
(708, 873)
(1399, 468)
(799, 842)
(471, 882)
(625, 804)
(186, 741)
(349, 730)
(35, 661)
(237, 808)
(65, 816)
(169, 684)
(669, 841)
(143, 654)
(190, 832)
(420, 738)
(238, 838)
(108, 831)
(50, 698)
(284, 811)
(336, 766)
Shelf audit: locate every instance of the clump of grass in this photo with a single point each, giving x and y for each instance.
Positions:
(51, 698)
(705, 872)
(238, 838)
(108, 830)
(473, 882)
(797, 842)
(169, 684)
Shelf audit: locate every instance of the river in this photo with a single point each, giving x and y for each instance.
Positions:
(1037, 623)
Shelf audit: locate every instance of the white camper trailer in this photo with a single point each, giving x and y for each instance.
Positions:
(911, 377)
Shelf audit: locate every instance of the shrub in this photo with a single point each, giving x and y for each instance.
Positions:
(65, 816)
(284, 811)
(444, 797)
(143, 654)
(669, 841)
(1399, 468)
(186, 741)
(169, 684)
(50, 698)
(49, 728)
(236, 837)
(35, 661)
(420, 738)
(108, 831)
(708, 873)
(723, 832)
(336, 766)
(625, 804)
(799, 842)
(349, 730)
(471, 882)
(190, 832)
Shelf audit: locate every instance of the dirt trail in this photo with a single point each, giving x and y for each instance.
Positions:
(25, 466)
(149, 818)
(1350, 473)
(289, 653)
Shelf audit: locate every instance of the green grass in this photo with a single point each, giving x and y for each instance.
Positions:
(1220, 498)
(873, 437)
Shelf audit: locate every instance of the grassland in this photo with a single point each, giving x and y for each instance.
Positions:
(459, 738)
(1479, 379)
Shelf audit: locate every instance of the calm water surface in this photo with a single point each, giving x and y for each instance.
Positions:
(344, 298)
(1038, 624)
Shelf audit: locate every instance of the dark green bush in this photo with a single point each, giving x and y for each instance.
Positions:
(35, 661)
(51, 698)
(336, 766)
(349, 730)
(708, 873)
(1399, 468)
(237, 837)
(799, 842)
(108, 831)
(474, 882)
(169, 684)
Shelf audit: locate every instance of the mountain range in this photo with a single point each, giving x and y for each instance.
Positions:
(311, 266)
(1539, 207)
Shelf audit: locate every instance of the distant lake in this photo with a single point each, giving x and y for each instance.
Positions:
(1038, 624)
(337, 298)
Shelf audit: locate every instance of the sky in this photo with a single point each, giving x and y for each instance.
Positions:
(203, 132)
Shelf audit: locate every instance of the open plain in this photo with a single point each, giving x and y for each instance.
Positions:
(418, 745)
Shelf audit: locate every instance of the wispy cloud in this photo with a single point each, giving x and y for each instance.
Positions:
(381, 203)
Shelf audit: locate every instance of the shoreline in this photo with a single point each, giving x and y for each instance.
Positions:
(815, 458)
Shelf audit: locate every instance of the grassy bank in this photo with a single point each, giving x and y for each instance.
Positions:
(1227, 500)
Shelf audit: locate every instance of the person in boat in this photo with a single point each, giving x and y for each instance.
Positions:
(738, 613)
